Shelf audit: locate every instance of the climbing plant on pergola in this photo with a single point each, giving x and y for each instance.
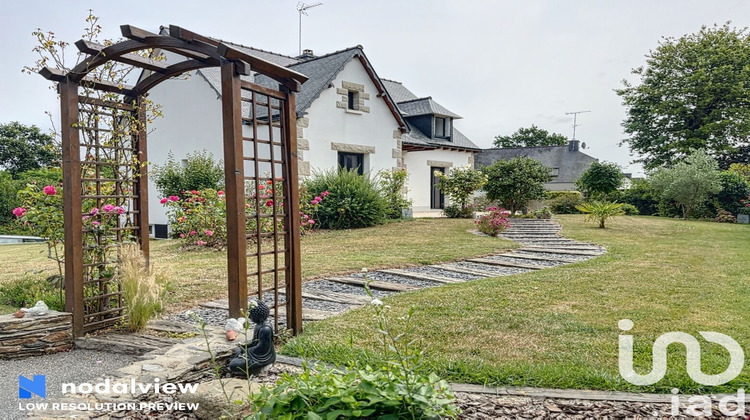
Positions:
(105, 166)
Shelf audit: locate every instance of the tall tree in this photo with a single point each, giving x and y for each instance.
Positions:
(530, 137)
(23, 148)
(688, 183)
(515, 182)
(600, 179)
(693, 93)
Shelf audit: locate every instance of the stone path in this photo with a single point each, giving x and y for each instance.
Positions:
(542, 248)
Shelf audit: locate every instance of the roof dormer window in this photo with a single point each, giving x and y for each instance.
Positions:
(443, 128)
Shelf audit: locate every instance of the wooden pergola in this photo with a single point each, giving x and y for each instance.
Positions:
(105, 165)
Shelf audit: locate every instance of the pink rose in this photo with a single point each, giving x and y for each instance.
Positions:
(174, 198)
(209, 232)
(220, 192)
(311, 221)
(182, 235)
(108, 208)
(261, 187)
(94, 211)
(192, 232)
(19, 211)
(119, 210)
(269, 203)
(163, 201)
(50, 190)
(324, 194)
(96, 223)
(200, 243)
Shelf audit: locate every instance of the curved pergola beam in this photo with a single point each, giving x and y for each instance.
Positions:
(174, 70)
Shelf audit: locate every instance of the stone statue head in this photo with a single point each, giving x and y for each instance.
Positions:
(258, 312)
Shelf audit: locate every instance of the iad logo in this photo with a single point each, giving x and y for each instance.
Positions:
(26, 386)
(693, 362)
(700, 405)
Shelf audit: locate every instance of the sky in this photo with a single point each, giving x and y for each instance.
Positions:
(501, 65)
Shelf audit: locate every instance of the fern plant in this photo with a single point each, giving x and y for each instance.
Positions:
(601, 211)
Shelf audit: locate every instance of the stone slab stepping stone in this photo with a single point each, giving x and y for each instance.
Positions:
(422, 276)
(536, 258)
(464, 270)
(163, 325)
(216, 304)
(337, 297)
(561, 251)
(504, 263)
(375, 284)
(308, 314)
(131, 344)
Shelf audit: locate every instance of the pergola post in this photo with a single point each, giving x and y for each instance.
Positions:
(72, 212)
(293, 258)
(234, 174)
(141, 184)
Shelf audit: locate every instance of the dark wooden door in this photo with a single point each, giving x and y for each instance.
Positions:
(437, 198)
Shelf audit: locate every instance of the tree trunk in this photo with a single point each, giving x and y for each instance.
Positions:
(601, 223)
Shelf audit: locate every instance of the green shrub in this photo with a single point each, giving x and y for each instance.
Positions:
(27, 291)
(543, 213)
(629, 209)
(551, 195)
(566, 203)
(641, 195)
(455, 211)
(733, 189)
(392, 186)
(199, 172)
(395, 390)
(459, 185)
(353, 200)
(515, 182)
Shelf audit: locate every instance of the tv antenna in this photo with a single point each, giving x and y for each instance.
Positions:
(575, 120)
(302, 8)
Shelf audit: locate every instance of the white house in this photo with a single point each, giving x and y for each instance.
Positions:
(347, 116)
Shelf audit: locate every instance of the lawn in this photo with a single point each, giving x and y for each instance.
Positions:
(558, 327)
(201, 276)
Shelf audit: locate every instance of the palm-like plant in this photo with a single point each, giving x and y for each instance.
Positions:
(601, 211)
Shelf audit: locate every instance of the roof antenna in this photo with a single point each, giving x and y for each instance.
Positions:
(302, 9)
(575, 121)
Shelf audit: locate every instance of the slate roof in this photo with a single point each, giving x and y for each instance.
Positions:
(411, 105)
(570, 163)
(424, 106)
(398, 91)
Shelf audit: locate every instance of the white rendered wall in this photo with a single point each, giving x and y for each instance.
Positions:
(191, 122)
(420, 173)
(328, 123)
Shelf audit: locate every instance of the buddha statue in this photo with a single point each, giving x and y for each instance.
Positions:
(250, 357)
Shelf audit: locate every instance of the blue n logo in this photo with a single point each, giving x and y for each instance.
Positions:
(36, 386)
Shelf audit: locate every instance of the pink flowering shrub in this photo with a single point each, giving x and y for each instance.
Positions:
(745, 206)
(41, 213)
(198, 218)
(493, 223)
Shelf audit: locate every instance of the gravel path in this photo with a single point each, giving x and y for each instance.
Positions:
(332, 286)
(392, 278)
(434, 271)
(74, 366)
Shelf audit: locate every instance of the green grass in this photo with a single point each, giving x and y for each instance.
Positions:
(558, 327)
(200, 276)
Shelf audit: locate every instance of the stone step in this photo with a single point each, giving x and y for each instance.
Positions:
(337, 297)
(536, 258)
(464, 270)
(175, 327)
(422, 276)
(375, 284)
(131, 344)
(561, 251)
(308, 314)
(504, 263)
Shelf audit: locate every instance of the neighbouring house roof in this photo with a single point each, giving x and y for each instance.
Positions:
(568, 160)
(424, 106)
